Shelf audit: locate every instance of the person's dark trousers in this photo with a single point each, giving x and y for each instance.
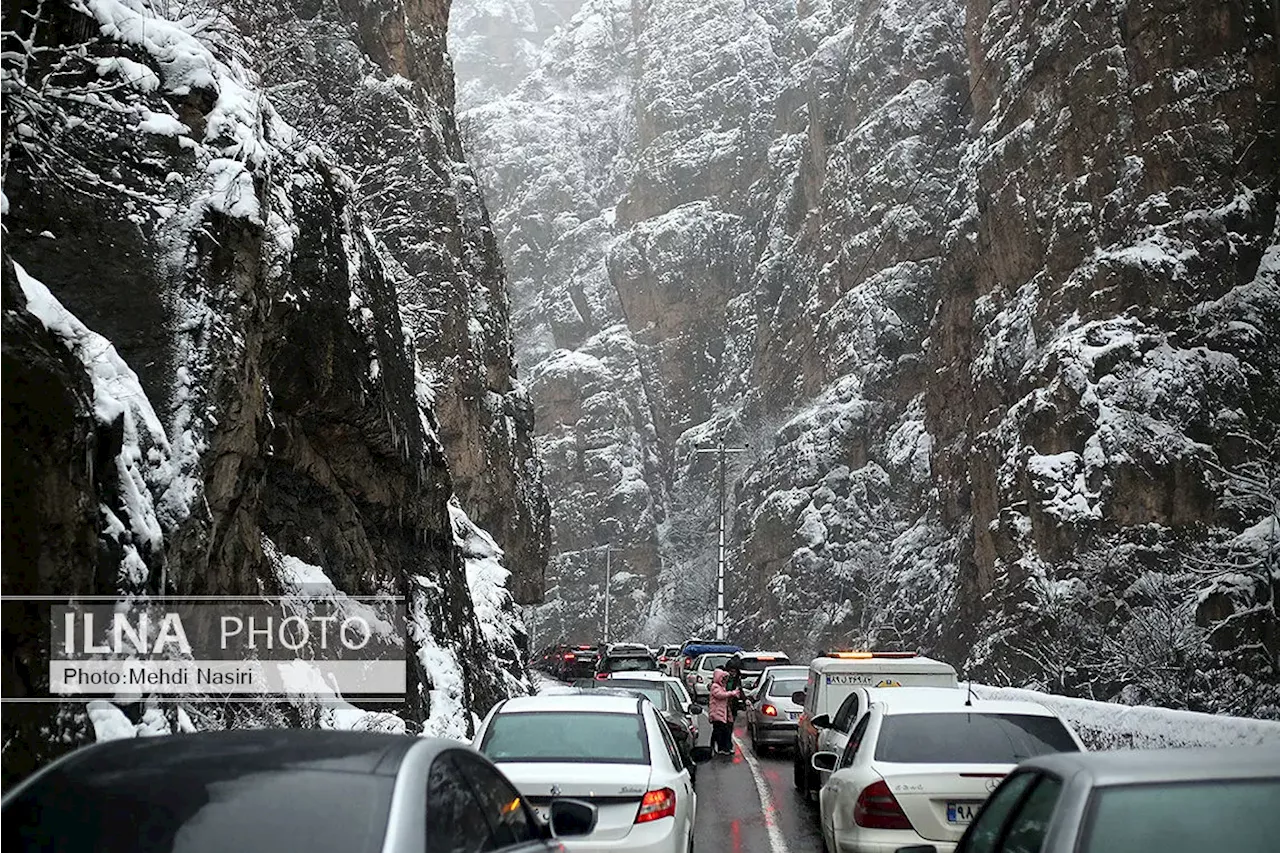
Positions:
(722, 736)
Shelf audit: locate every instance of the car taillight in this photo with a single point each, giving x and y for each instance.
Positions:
(688, 662)
(877, 808)
(570, 656)
(657, 804)
(601, 676)
(769, 711)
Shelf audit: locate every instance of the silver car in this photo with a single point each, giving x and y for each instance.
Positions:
(698, 678)
(269, 790)
(1133, 801)
(771, 712)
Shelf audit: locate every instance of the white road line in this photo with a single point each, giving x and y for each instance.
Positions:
(767, 807)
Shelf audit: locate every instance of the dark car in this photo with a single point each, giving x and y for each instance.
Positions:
(577, 662)
(619, 658)
(753, 664)
(267, 790)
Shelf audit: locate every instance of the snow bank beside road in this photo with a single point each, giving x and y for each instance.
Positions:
(1106, 725)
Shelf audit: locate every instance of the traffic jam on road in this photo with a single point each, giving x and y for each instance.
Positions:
(859, 751)
(701, 745)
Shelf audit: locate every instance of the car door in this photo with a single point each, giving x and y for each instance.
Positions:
(455, 819)
(512, 825)
(834, 738)
(837, 797)
(668, 764)
(987, 831)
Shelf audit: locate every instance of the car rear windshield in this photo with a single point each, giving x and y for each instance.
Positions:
(785, 686)
(1184, 817)
(185, 811)
(713, 661)
(970, 738)
(630, 664)
(655, 692)
(760, 664)
(568, 736)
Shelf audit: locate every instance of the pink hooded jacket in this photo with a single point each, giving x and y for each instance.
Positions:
(718, 707)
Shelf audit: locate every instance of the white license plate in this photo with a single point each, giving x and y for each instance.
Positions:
(793, 715)
(962, 813)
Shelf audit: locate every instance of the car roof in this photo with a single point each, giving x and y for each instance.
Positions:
(245, 751)
(1136, 766)
(577, 699)
(925, 700)
(705, 648)
(913, 664)
(783, 668)
(641, 675)
(760, 653)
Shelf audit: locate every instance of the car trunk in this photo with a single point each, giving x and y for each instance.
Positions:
(614, 789)
(959, 788)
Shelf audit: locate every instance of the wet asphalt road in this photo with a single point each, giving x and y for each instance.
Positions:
(732, 818)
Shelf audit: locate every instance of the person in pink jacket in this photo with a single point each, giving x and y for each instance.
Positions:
(720, 713)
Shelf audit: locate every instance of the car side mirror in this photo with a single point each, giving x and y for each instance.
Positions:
(695, 710)
(798, 697)
(572, 817)
(822, 721)
(825, 761)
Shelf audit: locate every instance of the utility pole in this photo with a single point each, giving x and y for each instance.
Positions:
(721, 452)
(607, 568)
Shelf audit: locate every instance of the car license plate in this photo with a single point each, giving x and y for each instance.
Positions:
(962, 813)
(793, 715)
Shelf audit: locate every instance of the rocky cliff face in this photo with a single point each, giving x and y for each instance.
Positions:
(219, 374)
(987, 291)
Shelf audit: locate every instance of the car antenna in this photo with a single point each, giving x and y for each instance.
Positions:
(968, 686)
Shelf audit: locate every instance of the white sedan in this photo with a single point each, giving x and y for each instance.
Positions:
(920, 763)
(611, 751)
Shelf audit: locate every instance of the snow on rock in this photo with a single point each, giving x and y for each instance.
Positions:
(446, 687)
(109, 722)
(487, 577)
(1107, 725)
(144, 465)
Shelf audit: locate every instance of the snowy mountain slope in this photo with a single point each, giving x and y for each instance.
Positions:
(988, 289)
(211, 381)
(380, 96)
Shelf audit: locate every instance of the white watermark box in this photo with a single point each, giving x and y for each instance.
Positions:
(322, 645)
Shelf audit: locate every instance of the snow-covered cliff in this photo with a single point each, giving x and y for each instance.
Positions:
(987, 290)
(243, 351)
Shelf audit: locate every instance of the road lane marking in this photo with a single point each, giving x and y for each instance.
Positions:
(768, 808)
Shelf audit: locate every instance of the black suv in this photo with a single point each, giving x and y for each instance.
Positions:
(576, 662)
(621, 657)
